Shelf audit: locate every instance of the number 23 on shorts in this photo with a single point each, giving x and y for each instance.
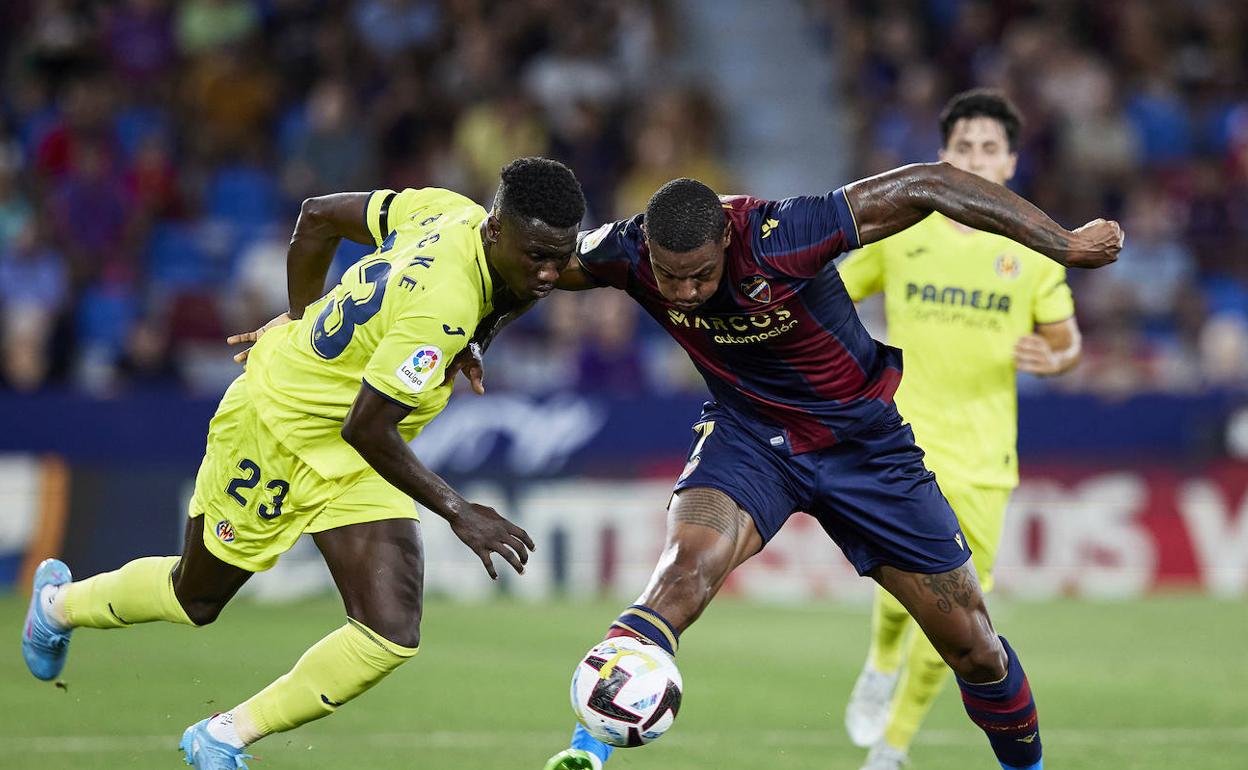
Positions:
(248, 480)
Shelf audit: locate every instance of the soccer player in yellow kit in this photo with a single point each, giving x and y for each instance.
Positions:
(968, 309)
(313, 437)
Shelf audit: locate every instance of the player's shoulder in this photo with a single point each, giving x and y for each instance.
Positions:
(430, 206)
(623, 238)
(621, 242)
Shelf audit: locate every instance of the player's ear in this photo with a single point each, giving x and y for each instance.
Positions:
(493, 227)
(1010, 166)
(727, 237)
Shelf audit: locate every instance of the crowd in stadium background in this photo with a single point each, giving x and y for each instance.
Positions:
(153, 155)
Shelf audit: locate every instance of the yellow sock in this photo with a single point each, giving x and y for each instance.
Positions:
(139, 592)
(921, 681)
(889, 621)
(336, 669)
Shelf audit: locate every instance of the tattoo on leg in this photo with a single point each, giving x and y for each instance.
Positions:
(708, 509)
(949, 587)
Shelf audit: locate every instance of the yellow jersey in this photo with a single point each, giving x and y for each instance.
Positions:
(393, 322)
(956, 302)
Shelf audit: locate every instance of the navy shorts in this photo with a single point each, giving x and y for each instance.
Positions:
(871, 493)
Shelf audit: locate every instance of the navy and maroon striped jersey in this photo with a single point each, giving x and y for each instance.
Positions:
(780, 339)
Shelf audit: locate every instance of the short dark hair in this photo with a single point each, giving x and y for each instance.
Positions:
(982, 103)
(540, 188)
(683, 215)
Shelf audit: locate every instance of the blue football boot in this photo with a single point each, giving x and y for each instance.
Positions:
(207, 753)
(45, 645)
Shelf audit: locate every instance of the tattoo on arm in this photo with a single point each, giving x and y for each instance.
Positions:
(708, 508)
(949, 587)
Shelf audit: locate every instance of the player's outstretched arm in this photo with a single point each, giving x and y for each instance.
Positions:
(371, 428)
(322, 223)
(890, 202)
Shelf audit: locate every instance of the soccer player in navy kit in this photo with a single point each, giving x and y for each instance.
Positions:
(803, 417)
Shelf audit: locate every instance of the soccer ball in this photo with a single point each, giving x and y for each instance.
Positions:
(626, 692)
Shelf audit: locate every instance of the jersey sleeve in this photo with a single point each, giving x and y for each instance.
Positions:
(411, 359)
(863, 271)
(1053, 301)
(386, 208)
(800, 235)
(609, 253)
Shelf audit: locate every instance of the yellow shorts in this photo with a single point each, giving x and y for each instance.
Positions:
(981, 512)
(257, 497)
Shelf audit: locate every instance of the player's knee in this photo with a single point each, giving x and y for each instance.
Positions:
(401, 630)
(695, 573)
(202, 613)
(982, 661)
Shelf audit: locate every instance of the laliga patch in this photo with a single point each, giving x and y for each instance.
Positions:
(690, 467)
(419, 368)
(591, 241)
(225, 531)
(756, 288)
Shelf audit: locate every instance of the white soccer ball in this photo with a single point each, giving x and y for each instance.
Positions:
(626, 692)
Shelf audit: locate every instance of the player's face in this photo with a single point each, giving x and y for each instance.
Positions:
(980, 145)
(688, 278)
(529, 254)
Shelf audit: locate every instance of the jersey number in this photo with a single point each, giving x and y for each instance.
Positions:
(278, 487)
(329, 343)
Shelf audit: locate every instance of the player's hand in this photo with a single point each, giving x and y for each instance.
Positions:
(482, 529)
(1034, 355)
(468, 361)
(1095, 244)
(239, 339)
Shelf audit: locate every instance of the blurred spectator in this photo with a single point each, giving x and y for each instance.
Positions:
(91, 200)
(140, 41)
(15, 209)
(676, 139)
(33, 288)
(331, 154)
(492, 132)
(391, 26)
(208, 24)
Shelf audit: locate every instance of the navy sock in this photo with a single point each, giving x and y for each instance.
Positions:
(1006, 712)
(652, 627)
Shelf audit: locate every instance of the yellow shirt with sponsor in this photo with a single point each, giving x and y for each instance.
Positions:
(956, 302)
(393, 322)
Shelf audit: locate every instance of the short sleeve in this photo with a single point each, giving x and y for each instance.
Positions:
(1053, 300)
(863, 271)
(609, 253)
(800, 235)
(411, 359)
(386, 209)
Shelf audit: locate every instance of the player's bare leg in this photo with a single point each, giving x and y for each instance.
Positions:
(190, 589)
(379, 570)
(949, 608)
(708, 536)
(203, 583)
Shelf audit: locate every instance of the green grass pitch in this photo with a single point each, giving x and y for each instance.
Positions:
(1139, 685)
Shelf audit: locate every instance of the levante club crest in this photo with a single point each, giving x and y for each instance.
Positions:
(756, 288)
